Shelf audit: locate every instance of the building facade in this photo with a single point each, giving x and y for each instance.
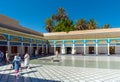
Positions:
(17, 39)
(99, 41)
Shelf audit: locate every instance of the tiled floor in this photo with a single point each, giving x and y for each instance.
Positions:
(51, 73)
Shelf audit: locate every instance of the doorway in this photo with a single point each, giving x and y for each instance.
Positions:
(26, 49)
(69, 50)
(91, 50)
(3, 49)
(112, 49)
(14, 49)
(34, 49)
(58, 49)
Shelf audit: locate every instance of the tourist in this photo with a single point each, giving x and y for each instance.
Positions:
(36, 53)
(1, 57)
(18, 59)
(16, 63)
(56, 53)
(26, 60)
(7, 57)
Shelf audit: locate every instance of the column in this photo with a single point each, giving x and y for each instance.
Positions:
(37, 48)
(73, 47)
(42, 46)
(22, 47)
(84, 48)
(108, 48)
(30, 47)
(108, 45)
(63, 48)
(54, 47)
(96, 47)
(8, 44)
(46, 48)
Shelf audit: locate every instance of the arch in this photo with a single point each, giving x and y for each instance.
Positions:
(2, 37)
(90, 42)
(34, 41)
(114, 41)
(102, 42)
(78, 42)
(26, 40)
(16, 39)
(68, 42)
(59, 42)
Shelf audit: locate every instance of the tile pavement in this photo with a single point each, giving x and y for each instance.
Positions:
(51, 73)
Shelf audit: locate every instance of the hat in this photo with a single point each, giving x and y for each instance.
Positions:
(16, 58)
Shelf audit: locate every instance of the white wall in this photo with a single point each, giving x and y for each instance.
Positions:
(79, 50)
(87, 50)
(103, 50)
(51, 50)
(117, 49)
(19, 49)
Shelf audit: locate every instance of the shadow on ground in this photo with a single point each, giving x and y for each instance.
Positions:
(12, 78)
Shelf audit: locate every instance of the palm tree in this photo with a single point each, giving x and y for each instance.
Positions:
(92, 24)
(49, 24)
(53, 17)
(64, 25)
(61, 14)
(106, 26)
(81, 24)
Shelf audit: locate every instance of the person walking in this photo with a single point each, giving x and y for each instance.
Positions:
(1, 57)
(16, 64)
(26, 60)
(56, 53)
(7, 57)
(36, 53)
(17, 58)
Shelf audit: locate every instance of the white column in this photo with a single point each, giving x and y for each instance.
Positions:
(8, 44)
(84, 48)
(63, 48)
(30, 48)
(108, 48)
(96, 48)
(54, 48)
(37, 48)
(46, 48)
(73, 48)
(22, 48)
(9, 47)
(42, 48)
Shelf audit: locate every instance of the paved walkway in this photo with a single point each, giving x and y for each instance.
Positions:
(50, 73)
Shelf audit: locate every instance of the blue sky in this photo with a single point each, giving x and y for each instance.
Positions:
(32, 13)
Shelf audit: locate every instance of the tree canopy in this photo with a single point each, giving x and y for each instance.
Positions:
(60, 22)
(64, 25)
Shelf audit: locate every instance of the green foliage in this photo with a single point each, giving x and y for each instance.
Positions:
(61, 14)
(64, 25)
(60, 22)
(92, 24)
(49, 24)
(81, 24)
(106, 26)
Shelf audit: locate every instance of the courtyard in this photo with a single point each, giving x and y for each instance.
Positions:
(70, 69)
